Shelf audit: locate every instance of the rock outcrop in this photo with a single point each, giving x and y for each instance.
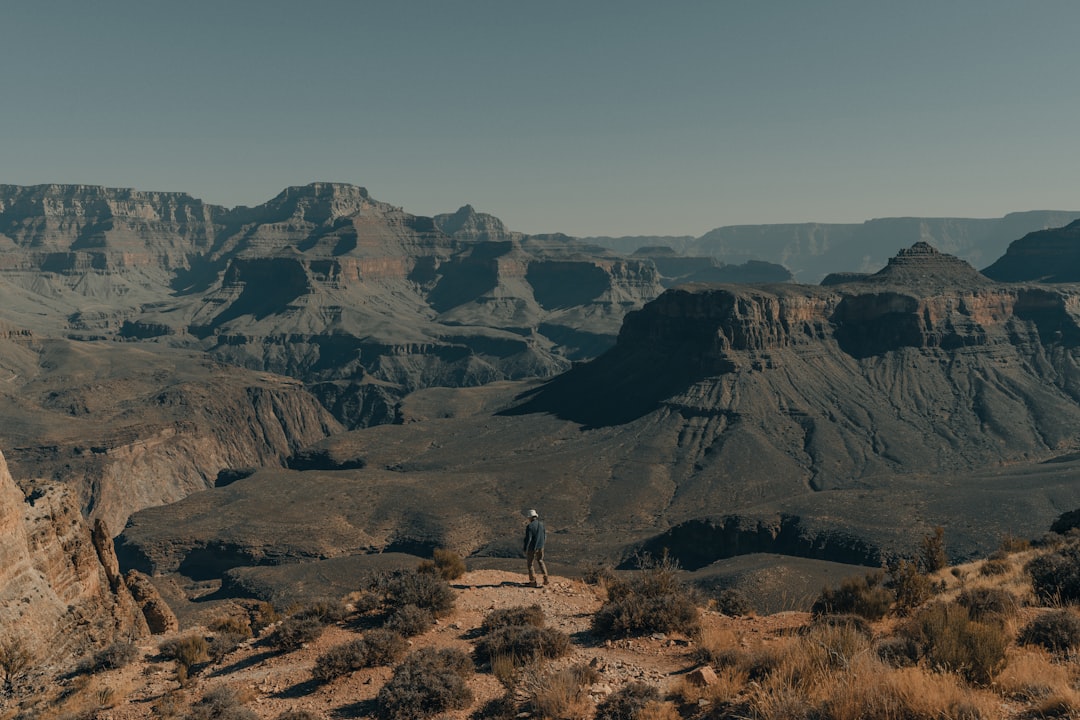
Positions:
(60, 593)
(1051, 255)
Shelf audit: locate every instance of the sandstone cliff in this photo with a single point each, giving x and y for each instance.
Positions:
(60, 590)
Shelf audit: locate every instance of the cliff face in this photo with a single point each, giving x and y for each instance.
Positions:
(60, 594)
(1051, 255)
(322, 283)
(129, 428)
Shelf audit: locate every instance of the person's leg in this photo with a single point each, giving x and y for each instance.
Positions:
(540, 562)
(529, 556)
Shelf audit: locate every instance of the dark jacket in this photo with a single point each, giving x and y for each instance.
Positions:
(535, 535)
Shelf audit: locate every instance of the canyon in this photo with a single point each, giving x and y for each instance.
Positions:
(265, 402)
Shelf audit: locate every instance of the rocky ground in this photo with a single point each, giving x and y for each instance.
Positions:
(273, 682)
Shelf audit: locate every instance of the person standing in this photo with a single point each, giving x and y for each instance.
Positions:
(535, 537)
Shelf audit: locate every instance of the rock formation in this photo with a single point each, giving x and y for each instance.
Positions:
(1051, 255)
(60, 593)
(834, 422)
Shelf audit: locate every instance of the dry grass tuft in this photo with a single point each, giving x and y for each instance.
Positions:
(558, 695)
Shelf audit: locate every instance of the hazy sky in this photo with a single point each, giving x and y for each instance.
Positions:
(588, 117)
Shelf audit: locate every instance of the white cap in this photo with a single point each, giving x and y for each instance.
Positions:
(531, 513)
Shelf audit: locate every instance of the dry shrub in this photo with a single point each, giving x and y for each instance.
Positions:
(376, 647)
(557, 695)
(932, 556)
(1056, 630)
(864, 595)
(1013, 544)
(298, 714)
(294, 632)
(222, 644)
(115, 656)
(986, 603)
(898, 651)
(627, 702)
(326, 611)
(654, 599)
(993, 567)
(504, 707)
(733, 602)
(169, 705)
(912, 588)
(428, 682)
(410, 620)
(231, 625)
(658, 710)
(448, 564)
(15, 659)
(262, 616)
(525, 643)
(715, 646)
(951, 641)
(507, 669)
(427, 591)
(222, 703)
(1055, 575)
(188, 651)
(519, 615)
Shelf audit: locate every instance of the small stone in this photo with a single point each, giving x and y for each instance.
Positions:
(701, 676)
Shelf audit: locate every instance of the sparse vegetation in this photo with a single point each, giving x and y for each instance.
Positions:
(409, 620)
(518, 615)
(950, 641)
(188, 651)
(222, 703)
(445, 563)
(1055, 575)
(14, 659)
(524, 643)
(427, 591)
(426, 683)
(295, 631)
(864, 595)
(654, 599)
(628, 702)
(988, 603)
(932, 555)
(911, 587)
(376, 647)
(115, 656)
(558, 695)
(733, 602)
(1056, 630)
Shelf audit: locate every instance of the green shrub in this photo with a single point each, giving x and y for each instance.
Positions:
(864, 595)
(988, 603)
(1057, 631)
(507, 617)
(1055, 576)
(524, 643)
(424, 590)
(951, 641)
(409, 620)
(376, 647)
(654, 599)
(221, 703)
(627, 701)
(932, 555)
(295, 631)
(426, 683)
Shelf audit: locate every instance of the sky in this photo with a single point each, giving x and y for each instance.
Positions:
(589, 117)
